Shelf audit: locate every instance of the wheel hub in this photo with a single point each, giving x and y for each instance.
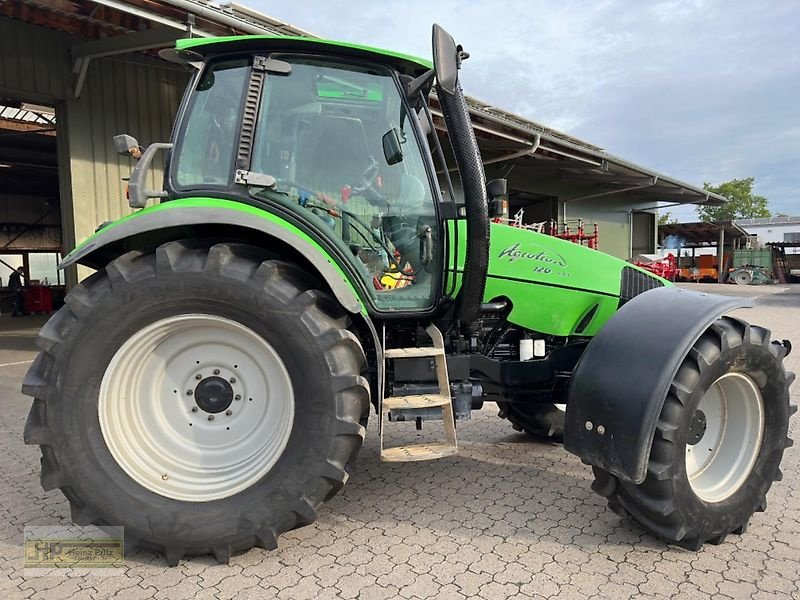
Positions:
(698, 428)
(213, 395)
(724, 437)
(196, 407)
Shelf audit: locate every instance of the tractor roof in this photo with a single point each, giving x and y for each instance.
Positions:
(410, 65)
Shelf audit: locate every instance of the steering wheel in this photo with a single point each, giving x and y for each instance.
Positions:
(367, 178)
(366, 187)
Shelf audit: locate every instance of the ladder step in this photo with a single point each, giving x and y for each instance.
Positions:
(417, 452)
(415, 401)
(412, 352)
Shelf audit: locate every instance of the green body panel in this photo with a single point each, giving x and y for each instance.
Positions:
(218, 43)
(551, 283)
(224, 205)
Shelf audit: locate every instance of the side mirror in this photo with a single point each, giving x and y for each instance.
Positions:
(445, 59)
(497, 191)
(127, 144)
(392, 151)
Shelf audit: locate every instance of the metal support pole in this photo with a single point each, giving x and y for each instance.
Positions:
(630, 234)
(721, 256)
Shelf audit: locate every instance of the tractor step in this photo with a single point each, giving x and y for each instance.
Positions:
(416, 401)
(427, 451)
(412, 352)
(416, 452)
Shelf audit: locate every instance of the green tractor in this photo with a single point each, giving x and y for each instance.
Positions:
(308, 263)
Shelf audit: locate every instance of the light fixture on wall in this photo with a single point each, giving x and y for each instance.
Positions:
(38, 108)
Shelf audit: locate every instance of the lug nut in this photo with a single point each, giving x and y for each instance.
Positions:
(165, 477)
(210, 417)
(189, 392)
(194, 409)
(237, 397)
(232, 380)
(198, 377)
(601, 430)
(216, 371)
(228, 413)
(589, 425)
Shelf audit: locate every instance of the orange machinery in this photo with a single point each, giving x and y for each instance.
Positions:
(705, 268)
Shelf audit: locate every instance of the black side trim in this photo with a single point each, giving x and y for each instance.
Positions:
(554, 285)
(252, 101)
(587, 318)
(537, 373)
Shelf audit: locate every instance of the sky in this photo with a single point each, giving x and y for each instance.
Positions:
(701, 90)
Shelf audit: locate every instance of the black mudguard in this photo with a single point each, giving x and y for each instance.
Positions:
(621, 381)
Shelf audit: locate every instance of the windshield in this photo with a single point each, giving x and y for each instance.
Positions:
(321, 133)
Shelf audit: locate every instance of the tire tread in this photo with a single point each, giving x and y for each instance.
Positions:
(279, 280)
(653, 503)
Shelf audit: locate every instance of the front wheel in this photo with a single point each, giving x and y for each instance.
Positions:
(204, 397)
(718, 443)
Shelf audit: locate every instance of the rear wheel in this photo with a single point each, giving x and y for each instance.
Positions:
(718, 443)
(205, 398)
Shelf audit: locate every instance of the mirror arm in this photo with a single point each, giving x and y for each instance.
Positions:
(138, 194)
(416, 84)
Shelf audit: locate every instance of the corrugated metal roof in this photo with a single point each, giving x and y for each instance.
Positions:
(701, 233)
(223, 18)
(497, 116)
(780, 220)
(535, 131)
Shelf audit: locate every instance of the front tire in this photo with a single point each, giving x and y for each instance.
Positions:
(718, 443)
(206, 398)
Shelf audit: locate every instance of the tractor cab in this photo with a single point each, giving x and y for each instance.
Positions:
(328, 136)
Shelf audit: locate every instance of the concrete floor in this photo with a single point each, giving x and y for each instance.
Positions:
(507, 518)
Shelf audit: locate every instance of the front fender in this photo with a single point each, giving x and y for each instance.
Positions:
(621, 381)
(109, 241)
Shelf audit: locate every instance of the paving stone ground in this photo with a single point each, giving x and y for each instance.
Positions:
(508, 518)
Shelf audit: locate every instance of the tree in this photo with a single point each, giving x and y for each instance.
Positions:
(742, 202)
(665, 218)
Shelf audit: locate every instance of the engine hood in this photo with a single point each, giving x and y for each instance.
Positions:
(556, 286)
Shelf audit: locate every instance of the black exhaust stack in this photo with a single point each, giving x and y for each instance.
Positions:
(447, 60)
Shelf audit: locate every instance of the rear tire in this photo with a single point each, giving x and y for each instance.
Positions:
(213, 505)
(544, 421)
(708, 473)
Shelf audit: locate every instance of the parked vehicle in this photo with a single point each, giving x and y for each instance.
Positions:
(209, 385)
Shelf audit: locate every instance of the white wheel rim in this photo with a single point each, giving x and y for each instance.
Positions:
(725, 437)
(170, 439)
